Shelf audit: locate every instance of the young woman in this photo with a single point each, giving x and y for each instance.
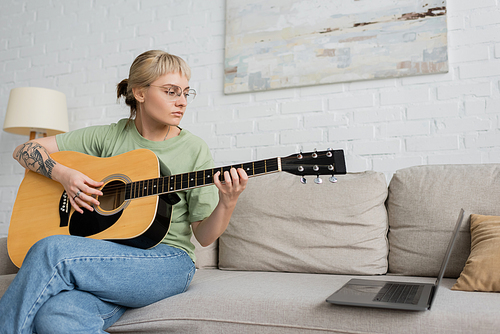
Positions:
(72, 284)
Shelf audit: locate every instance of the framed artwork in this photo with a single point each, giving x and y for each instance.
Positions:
(273, 44)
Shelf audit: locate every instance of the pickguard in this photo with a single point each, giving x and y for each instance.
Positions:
(91, 222)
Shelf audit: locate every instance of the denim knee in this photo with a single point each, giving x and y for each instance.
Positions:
(76, 312)
(48, 243)
(46, 246)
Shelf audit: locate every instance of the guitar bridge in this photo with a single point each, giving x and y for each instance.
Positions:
(64, 206)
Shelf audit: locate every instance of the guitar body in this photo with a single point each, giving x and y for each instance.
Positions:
(42, 208)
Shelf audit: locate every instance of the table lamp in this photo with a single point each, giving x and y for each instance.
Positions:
(33, 110)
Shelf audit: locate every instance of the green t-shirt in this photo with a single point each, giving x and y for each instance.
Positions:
(182, 154)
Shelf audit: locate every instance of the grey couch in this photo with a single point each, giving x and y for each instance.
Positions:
(289, 246)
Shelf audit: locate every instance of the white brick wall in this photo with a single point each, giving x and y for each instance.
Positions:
(84, 48)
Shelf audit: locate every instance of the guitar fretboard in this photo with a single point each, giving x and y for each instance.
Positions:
(179, 182)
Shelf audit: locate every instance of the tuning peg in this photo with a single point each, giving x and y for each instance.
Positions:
(303, 180)
(318, 180)
(315, 154)
(333, 179)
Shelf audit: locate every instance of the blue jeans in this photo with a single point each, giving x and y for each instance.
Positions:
(79, 285)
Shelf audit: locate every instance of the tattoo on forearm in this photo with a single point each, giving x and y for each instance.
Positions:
(36, 158)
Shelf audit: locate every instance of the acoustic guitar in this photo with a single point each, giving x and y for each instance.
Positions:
(136, 205)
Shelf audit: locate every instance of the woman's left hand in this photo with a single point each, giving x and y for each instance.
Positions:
(209, 229)
(235, 181)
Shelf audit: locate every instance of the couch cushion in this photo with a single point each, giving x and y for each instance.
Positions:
(5, 281)
(6, 265)
(482, 270)
(280, 224)
(206, 257)
(423, 205)
(271, 302)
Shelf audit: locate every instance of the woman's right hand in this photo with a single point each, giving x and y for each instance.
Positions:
(81, 189)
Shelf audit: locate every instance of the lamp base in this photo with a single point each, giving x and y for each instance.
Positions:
(34, 133)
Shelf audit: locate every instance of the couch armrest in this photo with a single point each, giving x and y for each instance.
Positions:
(6, 265)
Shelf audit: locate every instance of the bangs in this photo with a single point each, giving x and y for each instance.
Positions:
(167, 63)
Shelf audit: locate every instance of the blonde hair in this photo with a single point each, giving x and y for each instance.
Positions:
(145, 69)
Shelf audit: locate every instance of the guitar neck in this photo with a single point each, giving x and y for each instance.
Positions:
(180, 182)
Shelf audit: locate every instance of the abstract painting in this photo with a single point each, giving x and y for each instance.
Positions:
(273, 44)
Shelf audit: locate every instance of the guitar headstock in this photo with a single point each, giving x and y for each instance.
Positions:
(329, 162)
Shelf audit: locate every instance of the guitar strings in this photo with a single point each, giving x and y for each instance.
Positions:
(199, 180)
(179, 178)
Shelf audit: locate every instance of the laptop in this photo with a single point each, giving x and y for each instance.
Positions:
(394, 295)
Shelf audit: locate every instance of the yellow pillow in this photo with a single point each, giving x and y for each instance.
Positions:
(482, 269)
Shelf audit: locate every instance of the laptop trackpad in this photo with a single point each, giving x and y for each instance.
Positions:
(364, 290)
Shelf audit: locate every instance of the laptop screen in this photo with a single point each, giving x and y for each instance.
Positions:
(448, 253)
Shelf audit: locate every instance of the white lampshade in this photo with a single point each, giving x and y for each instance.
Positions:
(32, 109)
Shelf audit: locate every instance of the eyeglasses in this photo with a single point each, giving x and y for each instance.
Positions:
(174, 93)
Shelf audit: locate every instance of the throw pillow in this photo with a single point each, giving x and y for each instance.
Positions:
(482, 269)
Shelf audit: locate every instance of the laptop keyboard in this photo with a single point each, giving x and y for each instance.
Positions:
(399, 293)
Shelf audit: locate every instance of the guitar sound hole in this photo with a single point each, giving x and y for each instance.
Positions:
(113, 195)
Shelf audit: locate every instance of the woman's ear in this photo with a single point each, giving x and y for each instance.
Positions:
(139, 94)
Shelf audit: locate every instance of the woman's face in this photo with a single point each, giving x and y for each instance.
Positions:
(158, 104)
